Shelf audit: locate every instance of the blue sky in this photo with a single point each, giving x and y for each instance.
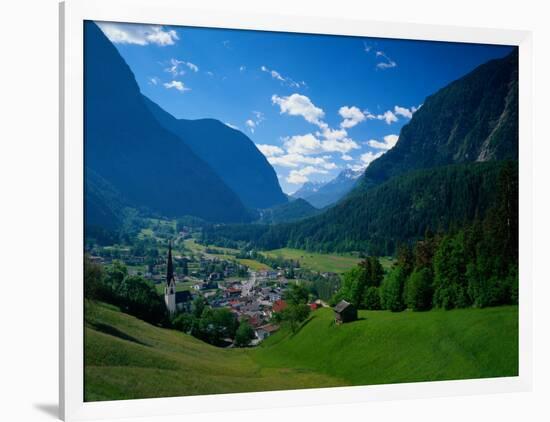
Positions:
(314, 105)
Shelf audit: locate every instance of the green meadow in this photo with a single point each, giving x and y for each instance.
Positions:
(126, 358)
(335, 263)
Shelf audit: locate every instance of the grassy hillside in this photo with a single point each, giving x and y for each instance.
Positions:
(386, 347)
(127, 358)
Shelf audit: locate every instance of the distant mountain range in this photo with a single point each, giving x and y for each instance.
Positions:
(322, 194)
(139, 156)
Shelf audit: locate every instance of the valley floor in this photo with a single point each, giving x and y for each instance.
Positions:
(126, 358)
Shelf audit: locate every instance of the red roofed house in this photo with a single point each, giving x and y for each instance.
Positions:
(279, 305)
(314, 306)
(232, 292)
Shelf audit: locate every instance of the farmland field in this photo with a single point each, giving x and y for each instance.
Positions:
(253, 264)
(317, 261)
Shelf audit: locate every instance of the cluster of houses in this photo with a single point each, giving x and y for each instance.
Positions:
(254, 301)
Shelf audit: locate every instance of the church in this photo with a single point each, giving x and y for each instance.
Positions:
(175, 301)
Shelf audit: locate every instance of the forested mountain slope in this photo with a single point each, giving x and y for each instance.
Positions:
(475, 118)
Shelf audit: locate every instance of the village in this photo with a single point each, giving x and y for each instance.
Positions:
(252, 295)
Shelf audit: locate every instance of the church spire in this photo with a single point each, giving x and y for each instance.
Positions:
(169, 265)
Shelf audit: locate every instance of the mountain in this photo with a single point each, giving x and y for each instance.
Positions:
(308, 189)
(321, 195)
(104, 205)
(442, 174)
(475, 118)
(378, 220)
(230, 153)
(293, 210)
(131, 153)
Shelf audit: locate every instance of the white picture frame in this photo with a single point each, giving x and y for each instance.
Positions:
(172, 12)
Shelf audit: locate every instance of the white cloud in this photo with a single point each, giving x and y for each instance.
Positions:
(192, 66)
(297, 177)
(346, 157)
(274, 74)
(389, 141)
(389, 117)
(387, 63)
(405, 112)
(175, 67)
(129, 33)
(242, 68)
(253, 123)
(259, 116)
(344, 146)
(178, 85)
(333, 134)
(383, 61)
(369, 157)
(232, 126)
(293, 160)
(303, 144)
(369, 115)
(277, 76)
(309, 144)
(250, 124)
(270, 150)
(351, 115)
(154, 80)
(300, 105)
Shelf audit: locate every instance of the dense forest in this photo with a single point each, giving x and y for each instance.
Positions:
(378, 220)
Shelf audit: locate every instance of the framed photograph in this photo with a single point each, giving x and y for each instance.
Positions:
(262, 210)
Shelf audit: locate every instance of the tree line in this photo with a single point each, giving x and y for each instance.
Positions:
(476, 265)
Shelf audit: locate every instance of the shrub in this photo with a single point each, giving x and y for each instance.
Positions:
(138, 297)
(244, 334)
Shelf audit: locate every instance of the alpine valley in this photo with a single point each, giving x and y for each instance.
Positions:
(202, 276)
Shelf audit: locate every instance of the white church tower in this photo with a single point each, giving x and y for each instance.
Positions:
(170, 288)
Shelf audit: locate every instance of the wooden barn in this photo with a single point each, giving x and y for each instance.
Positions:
(344, 312)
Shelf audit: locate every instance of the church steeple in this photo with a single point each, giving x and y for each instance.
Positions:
(170, 288)
(169, 265)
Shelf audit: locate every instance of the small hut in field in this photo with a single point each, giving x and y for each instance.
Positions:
(344, 312)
